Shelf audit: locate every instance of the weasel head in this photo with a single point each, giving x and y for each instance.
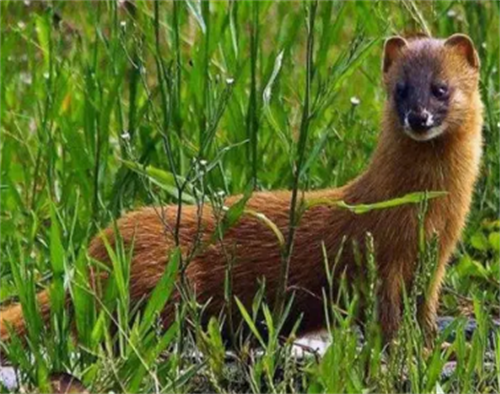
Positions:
(432, 84)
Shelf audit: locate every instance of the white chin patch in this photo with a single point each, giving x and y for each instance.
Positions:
(426, 135)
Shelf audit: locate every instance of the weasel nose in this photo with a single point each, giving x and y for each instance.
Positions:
(420, 121)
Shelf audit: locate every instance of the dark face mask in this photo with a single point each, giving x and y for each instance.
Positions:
(421, 99)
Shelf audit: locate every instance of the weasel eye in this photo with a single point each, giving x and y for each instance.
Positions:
(440, 91)
(401, 90)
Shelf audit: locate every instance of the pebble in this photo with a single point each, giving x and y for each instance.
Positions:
(8, 378)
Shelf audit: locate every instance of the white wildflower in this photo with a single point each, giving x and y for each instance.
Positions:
(32, 125)
(26, 78)
(355, 101)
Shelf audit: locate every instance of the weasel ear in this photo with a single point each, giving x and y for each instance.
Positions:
(392, 49)
(464, 45)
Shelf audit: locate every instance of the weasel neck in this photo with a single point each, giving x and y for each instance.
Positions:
(401, 165)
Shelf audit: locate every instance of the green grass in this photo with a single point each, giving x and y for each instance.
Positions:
(106, 107)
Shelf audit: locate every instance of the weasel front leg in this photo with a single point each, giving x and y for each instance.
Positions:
(390, 305)
(427, 320)
(427, 310)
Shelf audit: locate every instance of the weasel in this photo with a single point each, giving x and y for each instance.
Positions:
(430, 141)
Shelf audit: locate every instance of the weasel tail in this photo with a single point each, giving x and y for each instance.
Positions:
(430, 141)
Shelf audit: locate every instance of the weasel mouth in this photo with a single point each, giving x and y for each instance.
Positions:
(421, 125)
(424, 134)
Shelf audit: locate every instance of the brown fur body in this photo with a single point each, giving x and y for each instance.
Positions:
(399, 166)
